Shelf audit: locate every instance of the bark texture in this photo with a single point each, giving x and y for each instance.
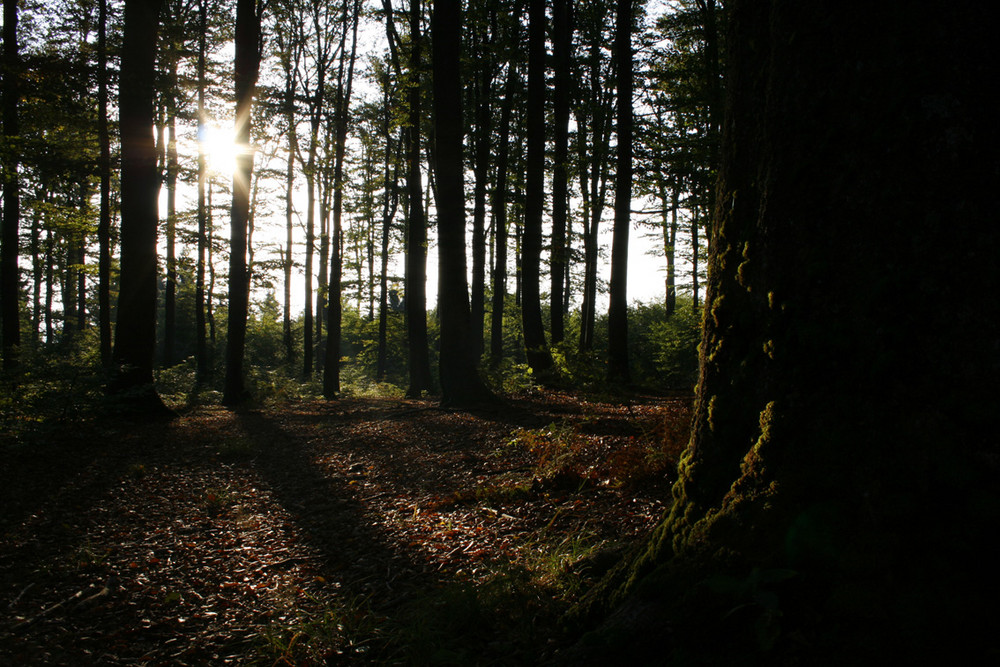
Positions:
(460, 382)
(9, 289)
(135, 331)
(536, 347)
(247, 66)
(834, 497)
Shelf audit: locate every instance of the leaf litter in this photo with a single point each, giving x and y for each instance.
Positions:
(300, 534)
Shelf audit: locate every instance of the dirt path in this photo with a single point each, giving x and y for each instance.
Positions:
(306, 532)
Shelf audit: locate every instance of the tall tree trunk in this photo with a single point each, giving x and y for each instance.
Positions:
(594, 189)
(536, 348)
(10, 293)
(562, 36)
(69, 299)
(201, 351)
(80, 260)
(669, 225)
(416, 228)
(391, 196)
(49, 282)
(210, 294)
(331, 370)
(830, 489)
(618, 305)
(390, 203)
(247, 65)
(135, 331)
(290, 61)
(308, 341)
(37, 264)
(481, 166)
(695, 247)
(104, 169)
(170, 288)
(460, 382)
(500, 220)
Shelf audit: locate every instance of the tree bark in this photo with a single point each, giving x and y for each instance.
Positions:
(291, 50)
(618, 306)
(828, 477)
(201, 351)
(104, 173)
(562, 36)
(331, 369)
(10, 295)
(170, 287)
(247, 65)
(500, 221)
(416, 229)
(460, 382)
(135, 331)
(593, 181)
(536, 347)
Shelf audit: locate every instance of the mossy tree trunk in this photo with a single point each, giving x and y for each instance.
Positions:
(838, 474)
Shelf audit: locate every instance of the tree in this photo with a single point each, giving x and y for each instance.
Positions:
(104, 168)
(247, 66)
(9, 278)
(593, 113)
(460, 383)
(416, 226)
(536, 348)
(500, 219)
(135, 330)
(201, 348)
(342, 103)
(618, 307)
(834, 495)
(289, 47)
(562, 37)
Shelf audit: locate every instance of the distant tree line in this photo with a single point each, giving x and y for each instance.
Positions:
(509, 158)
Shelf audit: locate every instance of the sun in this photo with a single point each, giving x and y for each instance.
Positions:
(221, 150)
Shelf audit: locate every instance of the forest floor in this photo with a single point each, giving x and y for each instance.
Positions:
(351, 531)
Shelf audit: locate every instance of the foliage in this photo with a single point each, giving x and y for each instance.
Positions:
(56, 385)
(665, 349)
(564, 456)
(494, 621)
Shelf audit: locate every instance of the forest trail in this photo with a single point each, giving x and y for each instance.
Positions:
(365, 530)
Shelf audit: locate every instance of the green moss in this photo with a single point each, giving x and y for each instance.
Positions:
(710, 414)
(718, 303)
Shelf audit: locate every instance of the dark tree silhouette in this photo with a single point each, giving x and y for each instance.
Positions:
(247, 62)
(135, 329)
(562, 37)
(536, 348)
(618, 307)
(416, 227)
(9, 289)
(500, 218)
(201, 347)
(104, 173)
(841, 461)
(331, 367)
(460, 383)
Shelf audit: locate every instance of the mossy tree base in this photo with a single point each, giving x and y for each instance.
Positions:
(835, 499)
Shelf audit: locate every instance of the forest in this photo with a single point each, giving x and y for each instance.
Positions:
(320, 342)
